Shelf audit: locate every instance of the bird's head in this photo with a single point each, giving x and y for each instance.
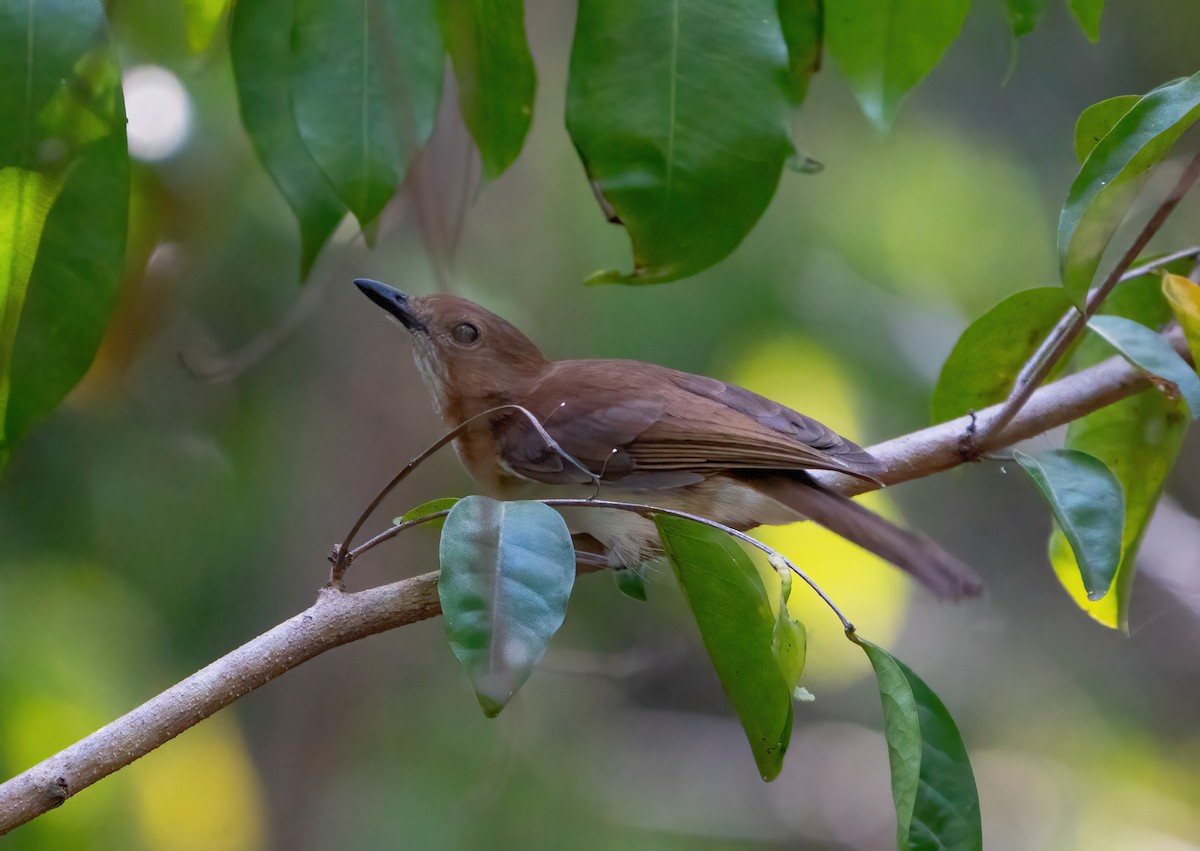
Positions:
(468, 356)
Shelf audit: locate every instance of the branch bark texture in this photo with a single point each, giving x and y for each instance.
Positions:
(339, 618)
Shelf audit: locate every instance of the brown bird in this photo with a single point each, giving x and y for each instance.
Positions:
(648, 434)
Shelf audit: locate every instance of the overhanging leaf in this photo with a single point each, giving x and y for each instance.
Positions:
(1183, 294)
(1098, 120)
(495, 73)
(733, 612)
(802, 22)
(680, 114)
(933, 786)
(507, 573)
(366, 78)
(1089, 505)
(1112, 175)
(63, 148)
(1147, 350)
(1024, 15)
(260, 49)
(985, 361)
(1087, 12)
(1138, 439)
(885, 47)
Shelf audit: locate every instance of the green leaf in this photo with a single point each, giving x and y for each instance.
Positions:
(1089, 505)
(1114, 173)
(260, 48)
(802, 22)
(444, 503)
(366, 78)
(680, 113)
(1024, 15)
(984, 363)
(1147, 350)
(64, 195)
(202, 19)
(507, 573)
(631, 582)
(495, 73)
(1087, 12)
(733, 612)
(1183, 294)
(1098, 120)
(886, 47)
(933, 786)
(1138, 439)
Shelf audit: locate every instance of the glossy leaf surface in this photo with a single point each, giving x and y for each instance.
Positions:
(62, 148)
(507, 573)
(680, 113)
(933, 786)
(495, 73)
(737, 626)
(1138, 439)
(366, 78)
(984, 363)
(1113, 174)
(260, 49)
(1098, 120)
(885, 47)
(1089, 506)
(1146, 349)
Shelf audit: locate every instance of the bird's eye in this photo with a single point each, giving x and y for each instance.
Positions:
(465, 333)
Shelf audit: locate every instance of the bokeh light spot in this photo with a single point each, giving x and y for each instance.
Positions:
(159, 110)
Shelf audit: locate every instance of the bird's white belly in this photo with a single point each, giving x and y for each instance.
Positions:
(631, 538)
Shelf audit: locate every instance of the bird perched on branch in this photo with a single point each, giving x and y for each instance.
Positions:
(641, 433)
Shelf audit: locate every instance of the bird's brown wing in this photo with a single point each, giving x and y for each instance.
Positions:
(645, 426)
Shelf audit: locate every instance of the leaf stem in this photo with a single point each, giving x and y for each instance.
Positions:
(342, 555)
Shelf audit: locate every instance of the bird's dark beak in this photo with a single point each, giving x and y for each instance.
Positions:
(396, 303)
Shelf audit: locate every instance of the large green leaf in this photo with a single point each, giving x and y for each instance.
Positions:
(495, 73)
(1098, 120)
(1138, 439)
(1183, 294)
(1114, 173)
(1146, 349)
(64, 196)
(885, 47)
(260, 48)
(1089, 505)
(933, 786)
(680, 114)
(1087, 12)
(366, 78)
(737, 626)
(985, 361)
(803, 23)
(507, 573)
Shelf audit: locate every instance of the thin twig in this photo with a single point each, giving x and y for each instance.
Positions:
(1064, 334)
(342, 556)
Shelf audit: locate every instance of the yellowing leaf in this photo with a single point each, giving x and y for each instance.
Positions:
(1183, 294)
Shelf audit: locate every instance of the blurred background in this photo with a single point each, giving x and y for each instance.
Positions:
(234, 424)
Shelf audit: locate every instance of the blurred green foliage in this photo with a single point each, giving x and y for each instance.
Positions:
(157, 520)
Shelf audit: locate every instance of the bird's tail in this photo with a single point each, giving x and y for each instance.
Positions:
(929, 564)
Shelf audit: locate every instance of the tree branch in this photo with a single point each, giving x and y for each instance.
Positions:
(339, 618)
